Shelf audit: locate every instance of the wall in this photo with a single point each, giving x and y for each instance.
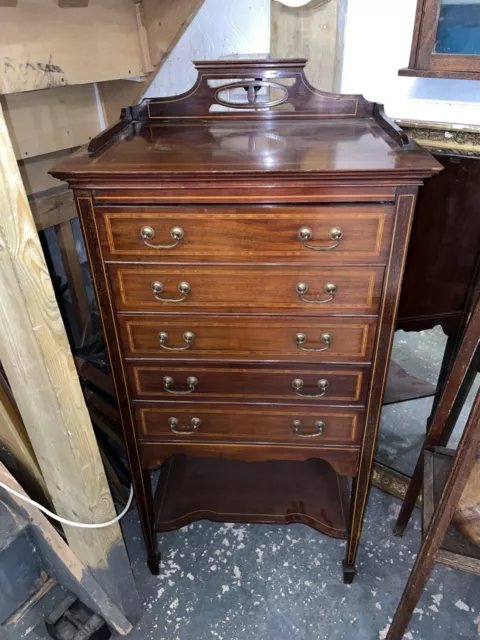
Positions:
(221, 28)
(378, 36)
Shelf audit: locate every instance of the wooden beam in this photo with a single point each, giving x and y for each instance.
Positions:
(36, 356)
(14, 437)
(44, 46)
(62, 563)
(73, 271)
(314, 32)
(164, 21)
(66, 4)
(35, 174)
(52, 119)
(53, 207)
(8, 3)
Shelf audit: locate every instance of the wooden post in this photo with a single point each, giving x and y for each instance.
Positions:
(36, 356)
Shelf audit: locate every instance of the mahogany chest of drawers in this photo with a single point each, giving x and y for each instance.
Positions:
(247, 241)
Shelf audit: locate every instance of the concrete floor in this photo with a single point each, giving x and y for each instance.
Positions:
(233, 582)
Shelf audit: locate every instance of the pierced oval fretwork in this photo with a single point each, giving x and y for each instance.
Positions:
(252, 98)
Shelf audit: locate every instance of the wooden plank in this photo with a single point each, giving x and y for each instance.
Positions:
(51, 120)
(313, 32)
(143, 37)
(36, 356)
(164, 22)
(52, 207)
(44, 46)
(14, 437)
(63, 564)
(66, 4)
(34, 171)
(73, 271)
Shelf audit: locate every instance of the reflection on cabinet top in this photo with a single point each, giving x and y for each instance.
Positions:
(271, 123)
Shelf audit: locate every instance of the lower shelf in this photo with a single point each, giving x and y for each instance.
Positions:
(456, 550)
(276, 492)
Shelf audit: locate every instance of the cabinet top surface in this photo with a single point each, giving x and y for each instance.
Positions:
(266, 119)
(214, 146)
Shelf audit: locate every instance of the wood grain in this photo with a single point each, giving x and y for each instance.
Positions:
(259, 289)
(255, 383)
(343, 459)
(294, 34)
(247, 338)
(235, 234)
(59, 53)
(249, 423)
(36, 356)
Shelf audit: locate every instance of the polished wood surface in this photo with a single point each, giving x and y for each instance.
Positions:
(233, 234)
(225, 195)
(249, 423)
(269, 492)
(440, 499)
(263, 289)
(346, 385)
(444, 248)
(343, 459)
(247, 338)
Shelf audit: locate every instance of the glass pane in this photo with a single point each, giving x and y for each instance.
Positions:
(459, 27)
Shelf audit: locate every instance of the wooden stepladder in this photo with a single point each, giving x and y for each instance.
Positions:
(445, 474)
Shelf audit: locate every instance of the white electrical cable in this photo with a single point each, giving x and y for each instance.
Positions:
(64, 520)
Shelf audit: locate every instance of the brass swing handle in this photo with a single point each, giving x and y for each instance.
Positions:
(188, 336)
(298, 383)
(330, 289)
(301, 339)
(183, 287)
(184, 431)
(335, 234)
(319, 429)
(148, 233)
(168, 383)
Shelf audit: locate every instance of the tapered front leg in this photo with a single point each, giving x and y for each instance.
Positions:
(405, 204)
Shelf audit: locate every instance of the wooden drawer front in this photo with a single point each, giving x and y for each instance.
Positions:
(247, 338)
(263, 289)
(251, 424)
(346, 384)
(263, 233)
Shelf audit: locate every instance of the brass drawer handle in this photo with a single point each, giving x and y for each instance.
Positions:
(330, 289)
(335, 234)
(148, 233)
(168, 383)
(188, 336)
(183, 287)
(184, 431)
(301, 338)
(319, 429)
(298, 383)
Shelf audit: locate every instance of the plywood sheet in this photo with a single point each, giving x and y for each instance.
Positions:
(313, 32)
(43, 45)
(35, 174)
(50, 120)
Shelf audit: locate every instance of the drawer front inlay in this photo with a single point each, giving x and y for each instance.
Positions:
(341, 234)
(150, 381)
(252, 424)
(265, 289)
(247, 338)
